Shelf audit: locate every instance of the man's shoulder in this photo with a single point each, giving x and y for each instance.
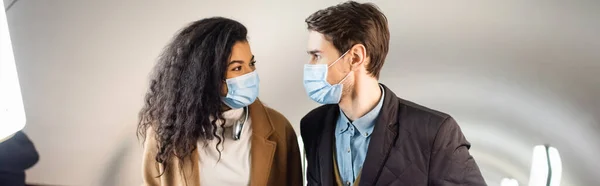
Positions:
(410, 112)
(423, 123)
(420, 116)
(420, 109)
(318, 113)
(312, 121)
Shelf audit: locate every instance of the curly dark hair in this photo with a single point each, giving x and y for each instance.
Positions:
(185, 87)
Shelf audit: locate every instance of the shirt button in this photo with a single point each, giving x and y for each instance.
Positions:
(366, 134)
(348, 150)
(348, 183)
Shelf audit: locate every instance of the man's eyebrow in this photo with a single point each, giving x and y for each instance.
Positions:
(313, 52)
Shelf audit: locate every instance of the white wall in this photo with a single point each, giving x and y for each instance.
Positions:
(514, 73)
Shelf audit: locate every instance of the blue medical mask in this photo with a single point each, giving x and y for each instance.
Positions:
(317, 87)
(242, 90)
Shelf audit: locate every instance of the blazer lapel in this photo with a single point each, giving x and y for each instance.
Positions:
(263, 149)
(383, 139)
(326, 147)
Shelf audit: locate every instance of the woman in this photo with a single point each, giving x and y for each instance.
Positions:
(202, 122)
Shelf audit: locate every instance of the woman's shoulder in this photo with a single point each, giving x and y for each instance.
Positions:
(279, 121)
(275, 115)
(148, 137)
(273, 119)
(281, 125)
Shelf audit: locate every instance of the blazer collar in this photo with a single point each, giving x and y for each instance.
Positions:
(325, 147)
(388, 131)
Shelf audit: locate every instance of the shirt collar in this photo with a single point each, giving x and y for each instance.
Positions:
(364, 124)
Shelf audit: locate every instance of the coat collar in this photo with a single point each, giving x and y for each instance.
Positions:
(262, 125)
(263, 148)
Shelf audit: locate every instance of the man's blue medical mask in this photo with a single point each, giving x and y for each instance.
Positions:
(316, 85)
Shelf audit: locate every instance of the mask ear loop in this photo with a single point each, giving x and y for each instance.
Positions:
(347, 75)
(338, 59)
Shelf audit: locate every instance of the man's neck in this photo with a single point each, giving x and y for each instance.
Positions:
(364, 96)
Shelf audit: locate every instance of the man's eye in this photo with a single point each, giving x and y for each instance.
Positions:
(316, 57)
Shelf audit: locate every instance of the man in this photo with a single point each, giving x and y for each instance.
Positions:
(364, 134)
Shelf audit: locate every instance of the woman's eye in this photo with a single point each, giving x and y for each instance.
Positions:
(253, 63)
(237, 68)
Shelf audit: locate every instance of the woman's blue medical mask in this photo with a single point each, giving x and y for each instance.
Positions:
(242, 90)
(317, 87)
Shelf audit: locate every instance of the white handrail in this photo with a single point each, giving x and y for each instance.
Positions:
(12, 112)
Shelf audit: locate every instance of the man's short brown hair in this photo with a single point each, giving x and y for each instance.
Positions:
(351, 23)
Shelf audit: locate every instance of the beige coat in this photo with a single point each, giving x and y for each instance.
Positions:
(275, 156)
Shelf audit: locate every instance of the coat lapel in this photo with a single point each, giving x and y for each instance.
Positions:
(326, 147)
(263, 149)
(384, 137)
(191, 169)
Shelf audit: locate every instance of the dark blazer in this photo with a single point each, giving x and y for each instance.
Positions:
(410, 145)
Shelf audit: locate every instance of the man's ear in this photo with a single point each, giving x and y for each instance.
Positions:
(358, 55)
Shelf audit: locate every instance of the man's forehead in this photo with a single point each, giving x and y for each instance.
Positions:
(317, 41)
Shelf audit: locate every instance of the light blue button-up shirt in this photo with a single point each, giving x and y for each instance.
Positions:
(352, 141)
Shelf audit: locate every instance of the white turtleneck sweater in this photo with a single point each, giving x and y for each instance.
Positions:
(234, 166)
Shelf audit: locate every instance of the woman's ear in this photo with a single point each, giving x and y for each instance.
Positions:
(224, 89)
